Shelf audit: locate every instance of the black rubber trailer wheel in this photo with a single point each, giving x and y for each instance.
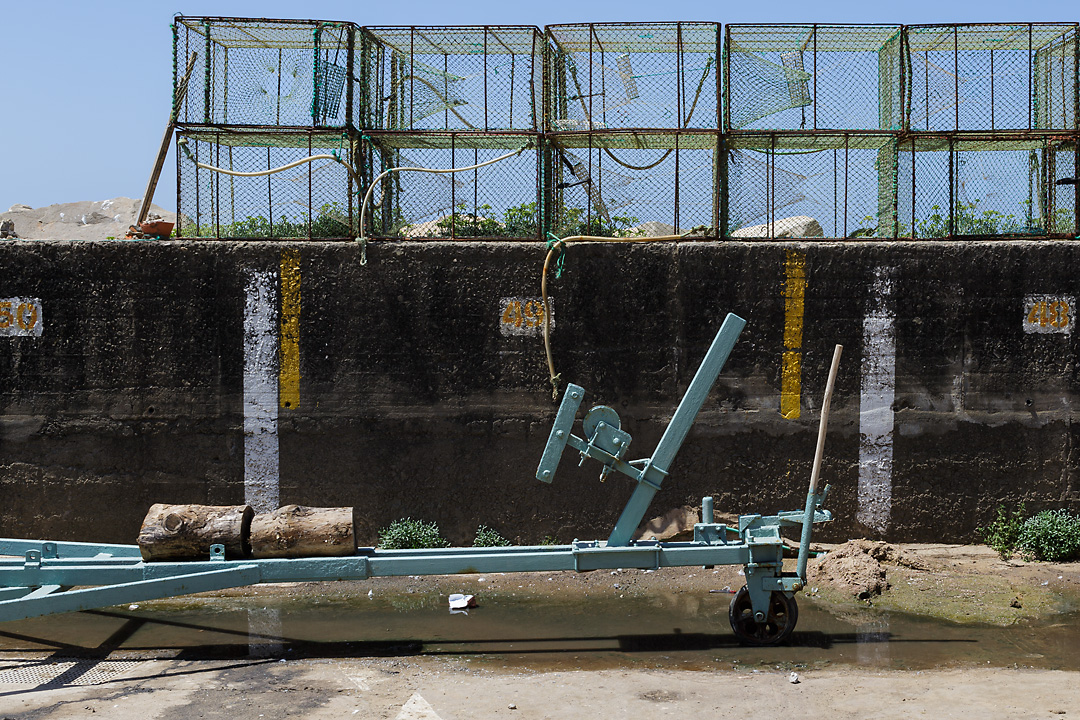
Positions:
(779, 621)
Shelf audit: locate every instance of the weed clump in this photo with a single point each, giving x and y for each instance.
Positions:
(487, 537)
(1051, 535)
(409, 534)
(1003, 533)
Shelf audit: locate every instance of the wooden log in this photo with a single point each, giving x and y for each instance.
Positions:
(297, 531)
(186, 532)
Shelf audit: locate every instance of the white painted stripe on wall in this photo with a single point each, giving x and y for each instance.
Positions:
(261, 391)
(878, 388)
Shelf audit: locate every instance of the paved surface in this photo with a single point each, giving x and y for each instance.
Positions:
(457, 689)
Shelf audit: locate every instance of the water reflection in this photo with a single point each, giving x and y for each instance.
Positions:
(872, 640)
(264, 632)
(676, 631)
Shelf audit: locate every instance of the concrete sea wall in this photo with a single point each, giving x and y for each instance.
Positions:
(416, 384)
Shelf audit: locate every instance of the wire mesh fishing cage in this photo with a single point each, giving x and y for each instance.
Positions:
(264, 72)
(992, 77)
(632, 183)
(311, 200)
(453, 78)
(882, 185)
(612, 129)
(632, 75)
(986, 185)
(812, 77)
(500, 200)
(810, 185)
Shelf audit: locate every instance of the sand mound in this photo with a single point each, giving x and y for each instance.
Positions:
(855, 567)
(86, 220)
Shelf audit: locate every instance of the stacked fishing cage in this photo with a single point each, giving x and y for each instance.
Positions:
(626, 129)
(453, 97)
(992, 115)
(633, 129)
(890, 131)
(812, 114)
(264, 94)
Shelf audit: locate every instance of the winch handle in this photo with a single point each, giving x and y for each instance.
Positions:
(560, 432)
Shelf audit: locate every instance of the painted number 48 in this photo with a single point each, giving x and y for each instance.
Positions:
(1048, 314)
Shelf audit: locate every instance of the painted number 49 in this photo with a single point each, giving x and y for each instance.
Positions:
(20, 317)
(522, 316)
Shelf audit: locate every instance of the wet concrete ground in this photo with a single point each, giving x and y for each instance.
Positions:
(673, 631)
(313, 655)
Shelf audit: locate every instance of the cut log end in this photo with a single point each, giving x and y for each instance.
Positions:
(186, 532)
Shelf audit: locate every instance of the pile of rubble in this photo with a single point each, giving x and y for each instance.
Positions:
(87, 220)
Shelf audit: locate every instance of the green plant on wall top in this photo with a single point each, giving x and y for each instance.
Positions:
(330, 222)
(462, 223)
(573, 221)
(518, 221)
(524, 221)
(967, 220)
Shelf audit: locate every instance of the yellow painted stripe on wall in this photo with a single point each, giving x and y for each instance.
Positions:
(791, 367)
(289, 384)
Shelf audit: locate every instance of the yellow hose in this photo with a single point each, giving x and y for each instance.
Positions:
(558, 246)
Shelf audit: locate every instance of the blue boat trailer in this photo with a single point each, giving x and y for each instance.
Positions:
(43, 578)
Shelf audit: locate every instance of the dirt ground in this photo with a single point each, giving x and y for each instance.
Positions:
(959, 584)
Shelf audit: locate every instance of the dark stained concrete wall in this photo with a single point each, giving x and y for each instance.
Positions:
(412, 403)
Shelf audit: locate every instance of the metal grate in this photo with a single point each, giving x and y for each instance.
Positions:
(496, 201)
(265, 72)
(965, 185)
(60, 673)
(633, 183)
(633, 75)
(866, 130)
(843, 183)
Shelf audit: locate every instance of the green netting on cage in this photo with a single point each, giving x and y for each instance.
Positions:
(612, 76)
(426, 90)
(764, 87)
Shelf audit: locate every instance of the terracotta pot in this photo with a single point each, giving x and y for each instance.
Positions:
(156, 227)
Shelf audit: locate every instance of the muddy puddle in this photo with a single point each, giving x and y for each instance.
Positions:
(677, 631)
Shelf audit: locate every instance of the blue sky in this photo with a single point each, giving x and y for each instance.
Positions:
(85, 86)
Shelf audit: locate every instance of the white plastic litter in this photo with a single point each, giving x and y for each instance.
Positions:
(461, 602)
(793, 678)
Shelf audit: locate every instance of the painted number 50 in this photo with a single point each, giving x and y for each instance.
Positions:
(20, 316)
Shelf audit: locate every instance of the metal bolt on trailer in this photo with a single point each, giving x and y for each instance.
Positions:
(763, 612)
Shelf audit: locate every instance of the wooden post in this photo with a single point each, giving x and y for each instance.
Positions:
(297, 531)
(186, 532)
(155, 174)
